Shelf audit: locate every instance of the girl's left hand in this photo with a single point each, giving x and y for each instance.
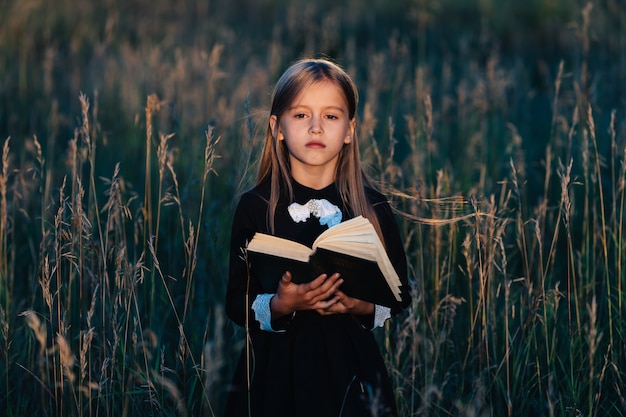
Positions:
(346, 304)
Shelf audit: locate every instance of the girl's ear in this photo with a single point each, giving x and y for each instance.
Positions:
(351, 130)
(275, 127)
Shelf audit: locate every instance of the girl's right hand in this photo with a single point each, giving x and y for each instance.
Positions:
(318, 294)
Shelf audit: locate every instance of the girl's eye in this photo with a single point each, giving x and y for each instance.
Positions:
(331, 117)
(299, 115)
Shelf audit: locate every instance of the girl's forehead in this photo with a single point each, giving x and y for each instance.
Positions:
(324, 91)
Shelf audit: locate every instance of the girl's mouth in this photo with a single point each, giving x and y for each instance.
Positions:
(315, 145)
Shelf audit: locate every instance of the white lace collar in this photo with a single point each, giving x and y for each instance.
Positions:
(328, 213)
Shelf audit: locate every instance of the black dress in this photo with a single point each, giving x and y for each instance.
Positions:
(320, 366)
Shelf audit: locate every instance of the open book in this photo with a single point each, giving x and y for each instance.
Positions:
(351, 248)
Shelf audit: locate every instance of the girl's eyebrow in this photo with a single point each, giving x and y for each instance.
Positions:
(332, 106)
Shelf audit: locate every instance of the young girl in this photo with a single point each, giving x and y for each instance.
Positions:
(310, 350)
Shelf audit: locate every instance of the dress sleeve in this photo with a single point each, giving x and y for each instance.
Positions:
(241, 291)
(381, 314)
(245, 300)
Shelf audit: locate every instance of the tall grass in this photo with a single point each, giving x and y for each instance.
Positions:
(87, 342)
(507, 169)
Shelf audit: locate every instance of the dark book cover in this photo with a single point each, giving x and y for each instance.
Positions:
(363, 278)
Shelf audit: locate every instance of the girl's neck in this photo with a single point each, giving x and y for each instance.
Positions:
(315, 179)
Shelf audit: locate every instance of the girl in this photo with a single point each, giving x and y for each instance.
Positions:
(310, 350)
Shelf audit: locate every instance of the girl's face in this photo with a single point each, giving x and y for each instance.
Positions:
(315, 128)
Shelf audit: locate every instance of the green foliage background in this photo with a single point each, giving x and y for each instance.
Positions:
(468, 107)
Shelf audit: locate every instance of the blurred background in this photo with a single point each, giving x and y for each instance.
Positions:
(204, 60)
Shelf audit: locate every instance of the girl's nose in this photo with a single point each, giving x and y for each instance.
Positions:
(316, 125)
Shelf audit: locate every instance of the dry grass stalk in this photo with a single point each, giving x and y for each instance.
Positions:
(153, 105)
(213, 360)
(39, 330)
(170, 387)
(4, 226)
(4, 331)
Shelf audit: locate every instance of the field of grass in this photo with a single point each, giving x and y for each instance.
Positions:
(496, 128)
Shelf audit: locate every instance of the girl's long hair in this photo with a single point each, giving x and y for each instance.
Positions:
(274, 165)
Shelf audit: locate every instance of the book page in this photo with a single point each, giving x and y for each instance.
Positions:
(356, 226)
(357, 249)
(277, 246)
(357, 237)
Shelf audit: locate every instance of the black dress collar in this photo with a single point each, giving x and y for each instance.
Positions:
(302, 191)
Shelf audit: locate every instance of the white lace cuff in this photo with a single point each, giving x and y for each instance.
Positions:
(263, 313)
(381, 314)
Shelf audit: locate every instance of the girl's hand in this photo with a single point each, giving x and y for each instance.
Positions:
(346, 304)
(315, 295)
